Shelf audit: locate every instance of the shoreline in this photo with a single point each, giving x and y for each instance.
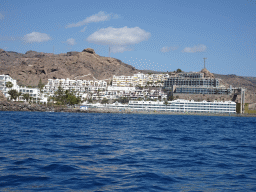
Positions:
(17, 106)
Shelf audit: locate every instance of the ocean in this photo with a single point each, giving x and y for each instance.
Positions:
(43, 151)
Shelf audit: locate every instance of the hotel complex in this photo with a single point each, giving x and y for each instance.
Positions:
(195, 83)
(33, 92)
(143, 91)
(180, 105)
(139, 79)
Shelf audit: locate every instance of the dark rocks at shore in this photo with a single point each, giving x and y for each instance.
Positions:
(18, 106)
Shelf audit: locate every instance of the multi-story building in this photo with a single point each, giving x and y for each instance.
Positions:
(180, 105)
(33, 92)
(195, 83)
(139, 79)
(78, 86)
(191, 80)
(3, 80)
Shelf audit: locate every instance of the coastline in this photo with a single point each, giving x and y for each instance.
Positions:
(17, 106)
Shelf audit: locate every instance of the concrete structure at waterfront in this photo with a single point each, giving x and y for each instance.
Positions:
(179, 105)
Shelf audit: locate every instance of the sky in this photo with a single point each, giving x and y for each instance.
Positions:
(161, 35)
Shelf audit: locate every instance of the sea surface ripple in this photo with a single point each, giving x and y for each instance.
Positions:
(126, 152)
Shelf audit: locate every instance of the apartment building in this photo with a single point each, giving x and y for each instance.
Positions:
(195, 83)
(79, 86)
(139, 79)
(3, 80)
(33, 92)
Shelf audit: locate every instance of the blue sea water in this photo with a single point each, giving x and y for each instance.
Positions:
(126, 152)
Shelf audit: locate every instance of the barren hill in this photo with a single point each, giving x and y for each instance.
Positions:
(28, 68)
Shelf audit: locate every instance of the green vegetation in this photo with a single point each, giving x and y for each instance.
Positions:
(139, 87)
(66, 97)
(178, 71)
(104, 101)
(26, 96)
(89, 100)
(13, 93)
(40, 85)
(238, 107)
(9, 84)
(247, 110)
(170, 98)
(122, 100)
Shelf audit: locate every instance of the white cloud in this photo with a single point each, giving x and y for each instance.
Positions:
(197, 48)
(167, 49)
(7, 38)
(119, 36)
(83, 30)
(36, 37)
(119, 49)
(101, 16)
(71, 41)
(1, 16)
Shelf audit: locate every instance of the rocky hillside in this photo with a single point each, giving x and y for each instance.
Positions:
(238, 81)
(2, 97)
(249, 83)
(28, 68)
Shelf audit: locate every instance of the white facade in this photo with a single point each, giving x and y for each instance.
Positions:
(3, 80)
(179, 105)
(79, 86)
(33, 92)
(139, 79)
(113, 92)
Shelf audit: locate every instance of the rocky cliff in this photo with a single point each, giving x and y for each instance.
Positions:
(28, 68)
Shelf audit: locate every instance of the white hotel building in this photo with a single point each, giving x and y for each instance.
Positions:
(81, 87)
(180, 105)
(139, 79)
(33, 92)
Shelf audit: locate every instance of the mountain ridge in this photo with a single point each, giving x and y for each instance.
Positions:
(28, 68)
(32, 66)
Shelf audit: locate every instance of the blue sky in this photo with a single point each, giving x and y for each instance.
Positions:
(159, 35)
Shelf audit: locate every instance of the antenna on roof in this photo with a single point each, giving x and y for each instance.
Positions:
(204, 62)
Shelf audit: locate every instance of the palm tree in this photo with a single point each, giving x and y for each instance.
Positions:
(18, 95)
(40, 85)
(9, 84)
(26, 96)
(13, 93)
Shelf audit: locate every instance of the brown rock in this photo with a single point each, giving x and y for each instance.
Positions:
(2, 97)
(207, 74)
(89, 50)
(28, 68)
